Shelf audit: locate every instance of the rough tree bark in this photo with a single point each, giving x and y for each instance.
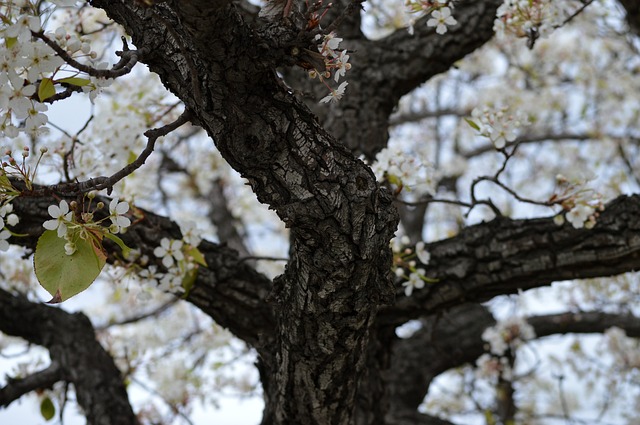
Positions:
(324, 330)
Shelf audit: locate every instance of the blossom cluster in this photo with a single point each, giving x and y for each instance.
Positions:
(69, 227)
(581, 204)
(7, 218)
(336, 63)
(406, 267)
(413, 172)
(22, 62)
(498, 124)
(180, 258)
(528, 18)
(28, 67)
(441, 17)
(508, 334)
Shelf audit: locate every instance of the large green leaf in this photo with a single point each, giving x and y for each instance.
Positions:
(62, 275)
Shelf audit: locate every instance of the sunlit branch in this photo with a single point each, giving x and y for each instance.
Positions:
(506, 255)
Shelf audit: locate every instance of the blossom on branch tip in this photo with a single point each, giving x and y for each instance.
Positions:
(336, 94)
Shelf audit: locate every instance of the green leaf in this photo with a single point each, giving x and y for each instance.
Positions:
(125, 249)
(75, 81)
(62, 275)
(197, 256)
(46, 89)
(47, 409)
(472, 124)
(189, 280)
(394, 180)
(10, 41)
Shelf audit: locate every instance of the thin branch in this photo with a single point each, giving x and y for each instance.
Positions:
(398, 119)
(576, 13)
(530, 139)
(134, 319)
(128, 59)
(100, 183)
(43, 379)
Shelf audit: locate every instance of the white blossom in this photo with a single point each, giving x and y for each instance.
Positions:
(415, 282)
(336, 94)
(61, 215)
(116, 214)
(441, 19)
(169, 250)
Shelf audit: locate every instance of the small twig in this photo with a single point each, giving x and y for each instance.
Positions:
(431, 200)
(627, 163)
(66, 93)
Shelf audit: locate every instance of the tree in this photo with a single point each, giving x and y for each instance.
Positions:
(324, 330)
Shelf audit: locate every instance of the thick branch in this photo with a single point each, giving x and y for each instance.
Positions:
(72, 345)
(584, 322)
(504, 255)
